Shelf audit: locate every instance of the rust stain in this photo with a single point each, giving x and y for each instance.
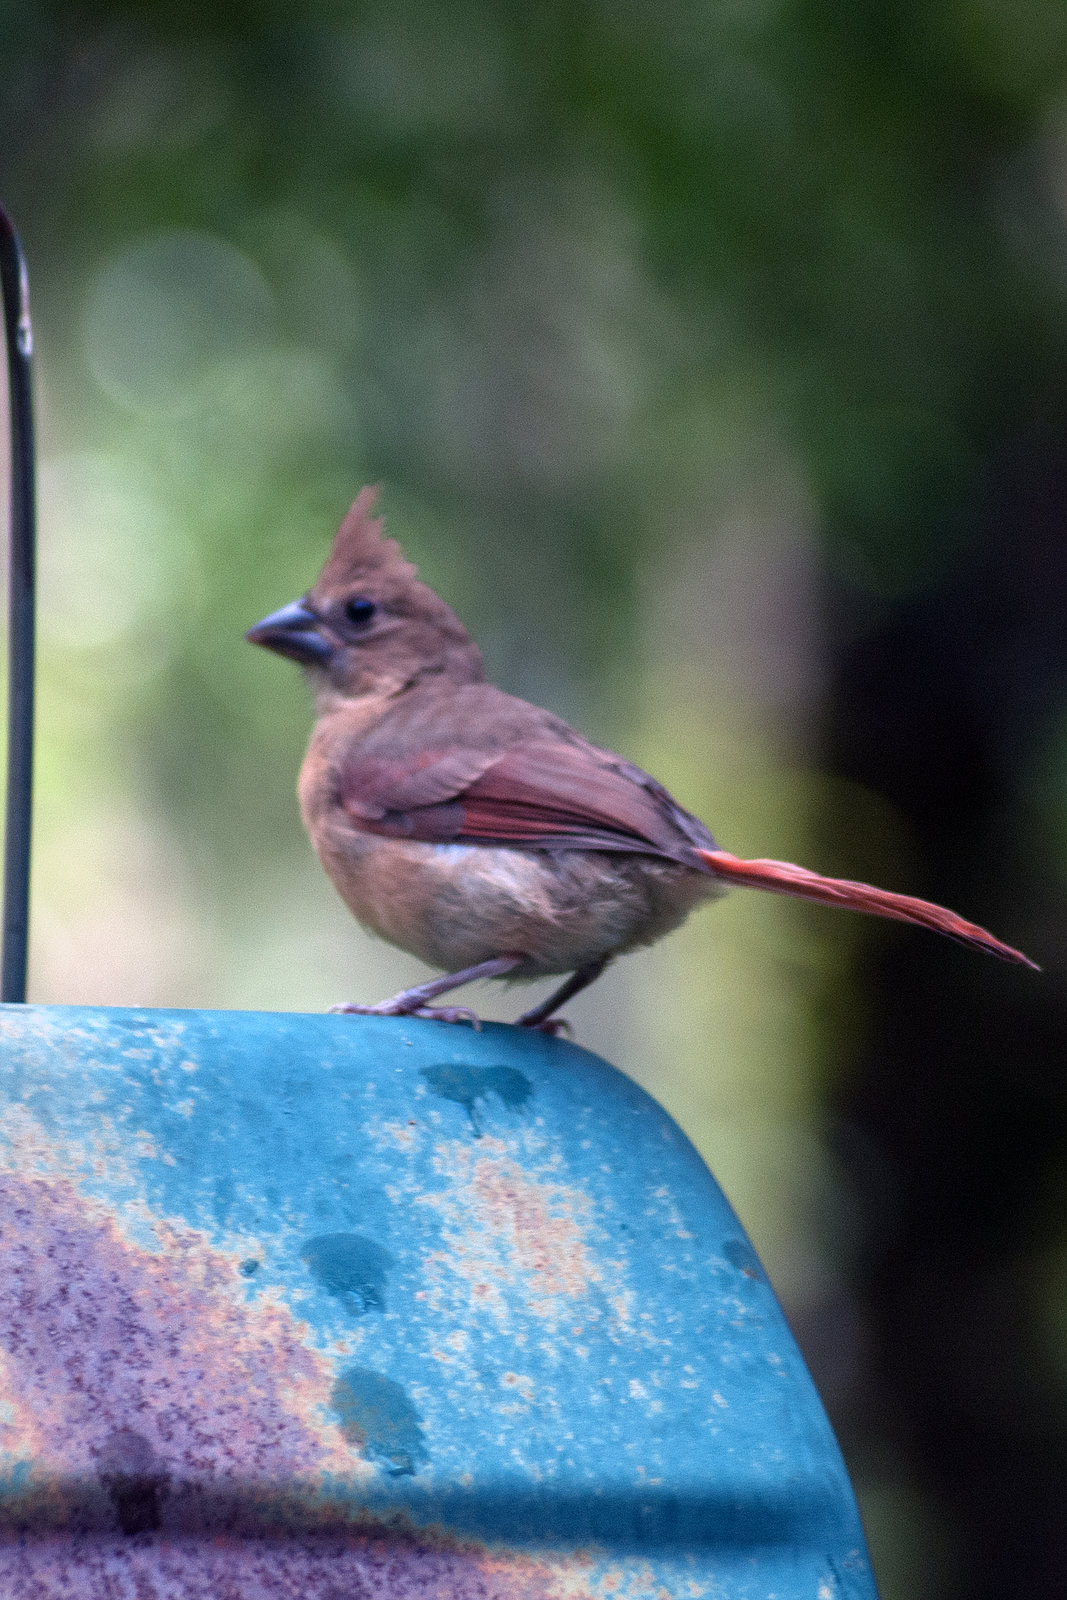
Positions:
(613, 1583)
(139, 1386)
(352, 1567)
(505, 1230)
(98, 1335)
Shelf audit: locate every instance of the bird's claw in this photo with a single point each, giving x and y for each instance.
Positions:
(449, 1014)
(389, 1008)
(553, 1026)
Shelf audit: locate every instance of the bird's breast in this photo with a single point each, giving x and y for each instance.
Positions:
(453, 905)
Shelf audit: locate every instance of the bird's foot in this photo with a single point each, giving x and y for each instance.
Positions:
(553, 1026)
(449, 1014)
(395, 1008)
(348, 1008)
(416, 1002)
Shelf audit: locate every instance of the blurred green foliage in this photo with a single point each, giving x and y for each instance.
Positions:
(650, 318)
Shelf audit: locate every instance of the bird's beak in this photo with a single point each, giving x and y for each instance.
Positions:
(294, 631)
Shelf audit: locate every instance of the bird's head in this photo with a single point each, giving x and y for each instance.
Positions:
(368, 626)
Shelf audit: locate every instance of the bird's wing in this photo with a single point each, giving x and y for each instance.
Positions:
(376, 784)
(545, 792)
(550, 790)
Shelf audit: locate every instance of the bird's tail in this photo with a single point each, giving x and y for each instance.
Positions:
(781, 877)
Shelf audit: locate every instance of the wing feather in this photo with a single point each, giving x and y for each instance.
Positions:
(543, 793)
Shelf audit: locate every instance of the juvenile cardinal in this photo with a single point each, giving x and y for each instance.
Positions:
(483, 834)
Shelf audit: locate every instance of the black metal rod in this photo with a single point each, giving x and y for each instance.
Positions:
(21, 608)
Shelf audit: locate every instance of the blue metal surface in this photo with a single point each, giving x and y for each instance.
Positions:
(335, 1306)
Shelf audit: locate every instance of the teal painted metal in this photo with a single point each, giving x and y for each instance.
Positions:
(335, 1307)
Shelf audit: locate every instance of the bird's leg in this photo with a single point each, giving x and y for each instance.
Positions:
(541, 1016)
(414, 1002)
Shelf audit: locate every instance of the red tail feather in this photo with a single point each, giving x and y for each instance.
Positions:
(781, 877)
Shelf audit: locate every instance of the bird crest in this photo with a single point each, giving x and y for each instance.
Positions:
(360, 549)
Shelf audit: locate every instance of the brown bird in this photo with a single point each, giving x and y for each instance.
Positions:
(481, 833)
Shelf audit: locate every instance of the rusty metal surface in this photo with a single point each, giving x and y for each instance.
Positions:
(332, 1307)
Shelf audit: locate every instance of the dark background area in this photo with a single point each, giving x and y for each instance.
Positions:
(712, 357)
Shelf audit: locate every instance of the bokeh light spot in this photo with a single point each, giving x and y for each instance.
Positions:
(163, 315)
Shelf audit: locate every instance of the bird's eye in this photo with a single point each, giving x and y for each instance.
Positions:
(359, 611)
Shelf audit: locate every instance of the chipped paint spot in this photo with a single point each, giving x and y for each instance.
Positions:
(520, 1382)
(506, 1231)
